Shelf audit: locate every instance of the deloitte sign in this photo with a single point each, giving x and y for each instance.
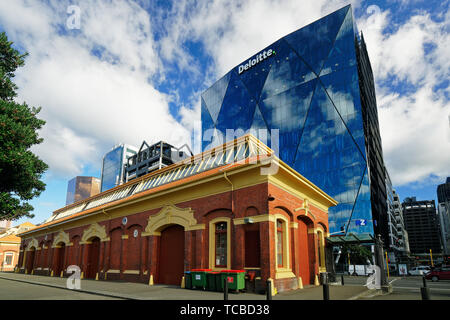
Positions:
(259, 57)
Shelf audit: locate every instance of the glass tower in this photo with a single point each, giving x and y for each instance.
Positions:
(113, 165)
(80, 188)
(315, 86)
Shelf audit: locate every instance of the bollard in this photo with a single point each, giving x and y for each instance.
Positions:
(424, 282)
(225, 289)
(425, 293)
(342, 279)
(326, 292)
(269, 290)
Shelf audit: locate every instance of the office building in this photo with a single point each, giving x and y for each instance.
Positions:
(422, 225)
(397, 246)
(443, 193)
(153, 157)
(80, 188)
(312, 94)
(113, 168)
(214, 211)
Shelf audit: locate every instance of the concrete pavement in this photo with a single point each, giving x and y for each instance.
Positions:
(139, 291)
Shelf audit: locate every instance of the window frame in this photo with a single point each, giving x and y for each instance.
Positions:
(8, 254)
(216, 242)
(212, 243)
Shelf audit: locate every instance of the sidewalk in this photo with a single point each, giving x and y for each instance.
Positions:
(139, 291)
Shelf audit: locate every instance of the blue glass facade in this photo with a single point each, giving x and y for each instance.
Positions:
(113, 166)
(308, 89)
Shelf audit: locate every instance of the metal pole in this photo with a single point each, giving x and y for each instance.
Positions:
(342, 279)
(431, 257)
(425, 293)
(269, 290)
(424, 282)
(326, 292)
(387, 265)
(225, 289)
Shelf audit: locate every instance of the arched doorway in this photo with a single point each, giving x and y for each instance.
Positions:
(171, 255)
(306, 254)
(93, 258)
(31, 256)
(59, 259)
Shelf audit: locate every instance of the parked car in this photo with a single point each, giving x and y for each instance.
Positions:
(437, 274)
(419, 271)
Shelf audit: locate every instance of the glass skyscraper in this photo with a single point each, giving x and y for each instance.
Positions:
(80, 188)
(316, 87)
(113, 165)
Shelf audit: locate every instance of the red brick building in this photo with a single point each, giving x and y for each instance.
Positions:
(217, 210)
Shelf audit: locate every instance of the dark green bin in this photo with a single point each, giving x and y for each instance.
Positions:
(198, 278)
(187, 280)
(211, 281)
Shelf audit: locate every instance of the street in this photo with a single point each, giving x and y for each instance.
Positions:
(14, 286)
(406, 288)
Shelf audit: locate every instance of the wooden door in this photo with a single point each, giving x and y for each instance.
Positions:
(93, 257)
(171, 255)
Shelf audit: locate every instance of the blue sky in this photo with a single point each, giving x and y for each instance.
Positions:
(133, 71)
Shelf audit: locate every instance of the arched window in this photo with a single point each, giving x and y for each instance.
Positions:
(221, 245)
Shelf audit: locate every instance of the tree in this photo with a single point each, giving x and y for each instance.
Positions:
(20, 169)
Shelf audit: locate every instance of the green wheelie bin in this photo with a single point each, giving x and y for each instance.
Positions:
(211, 281)
(198, 277)
(187, 280)
(235, 279)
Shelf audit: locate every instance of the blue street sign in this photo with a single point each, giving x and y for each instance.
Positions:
(361, 222)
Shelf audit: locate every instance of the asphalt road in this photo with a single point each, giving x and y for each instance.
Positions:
(407, 288)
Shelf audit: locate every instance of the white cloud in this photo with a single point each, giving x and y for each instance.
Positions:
(90, 102)
(100, 101)
(413, 123)
(232, 31)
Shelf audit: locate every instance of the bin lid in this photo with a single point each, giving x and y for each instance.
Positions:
(204, 270)
(232, 271)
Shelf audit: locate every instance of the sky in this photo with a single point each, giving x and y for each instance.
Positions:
(110, 72)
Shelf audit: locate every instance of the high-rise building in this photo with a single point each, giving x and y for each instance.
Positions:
(153, 157)
(398, 239)
(402, 234)
(444, 219)
(314, 90)
(443, 193)
(80, 188)
(422, 224)
(114, 165)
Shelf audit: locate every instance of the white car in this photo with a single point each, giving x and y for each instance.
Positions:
(419, 271)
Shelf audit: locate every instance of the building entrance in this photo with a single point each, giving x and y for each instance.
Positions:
(93, 257)
(171, 255)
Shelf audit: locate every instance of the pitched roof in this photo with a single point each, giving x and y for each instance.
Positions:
(241, 151)
(9, 238)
